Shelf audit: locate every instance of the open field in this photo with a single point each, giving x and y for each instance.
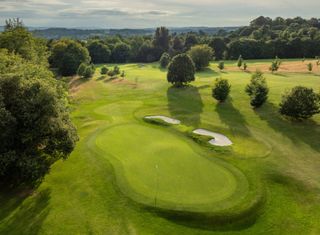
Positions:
(129, 176)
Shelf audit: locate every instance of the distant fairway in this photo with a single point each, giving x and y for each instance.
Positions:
(129, 176)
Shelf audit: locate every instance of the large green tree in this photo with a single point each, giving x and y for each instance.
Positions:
(121, 52)
(67, 55)
(99, 52)
(201, 55)
(181, 70)
(36, 130)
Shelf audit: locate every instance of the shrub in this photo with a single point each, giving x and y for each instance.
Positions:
(181, 70)
(275, 65)
(257, 90)
(221, 89)
(201, 55)
(164, 60)
(86, 70)
(104, 70)
(245, 66)
(89, 71)
(240, 61)
(310, 67)
(116, 70)
(81, 69)
(300, 103)
(221, 65)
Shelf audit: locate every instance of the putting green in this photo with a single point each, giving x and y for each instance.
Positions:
(159, 168)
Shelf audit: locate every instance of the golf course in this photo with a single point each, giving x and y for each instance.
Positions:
(135, 175)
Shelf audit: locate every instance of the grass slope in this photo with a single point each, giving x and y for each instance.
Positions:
(86, 194)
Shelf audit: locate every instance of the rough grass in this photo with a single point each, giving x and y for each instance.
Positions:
(280, 160)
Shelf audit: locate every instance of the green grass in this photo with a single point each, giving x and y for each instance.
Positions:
(268, 182)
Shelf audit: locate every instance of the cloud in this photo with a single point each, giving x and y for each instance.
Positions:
(151, 13)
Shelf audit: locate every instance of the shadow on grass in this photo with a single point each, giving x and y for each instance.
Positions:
(185, 104)
(231, 116)
(101, 78)
(23, 214)
(307, 131)
(77, 81)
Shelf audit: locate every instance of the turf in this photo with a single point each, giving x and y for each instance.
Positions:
(268, 182)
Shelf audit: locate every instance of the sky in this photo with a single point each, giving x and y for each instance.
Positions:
(151, 13)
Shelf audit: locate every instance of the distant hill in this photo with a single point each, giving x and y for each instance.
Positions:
(56, 33)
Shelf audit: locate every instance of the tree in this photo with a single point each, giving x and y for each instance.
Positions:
(17, 39)
(161, 39)
(300, 103)
(221, 89)
(177, 46)
(121, 52)
(104, 70)
(239, 62)
(221, 65)
(164, 60)
(36, 129)
(201, 55)
(275, 65)
(67, 55)
(219, 46)
(99, 52)
(191, 40)
(181, 70)
(257, 90)
(310, 67)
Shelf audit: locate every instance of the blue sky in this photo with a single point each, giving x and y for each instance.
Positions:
(151, 13)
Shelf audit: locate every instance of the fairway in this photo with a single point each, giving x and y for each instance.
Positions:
(131, 176)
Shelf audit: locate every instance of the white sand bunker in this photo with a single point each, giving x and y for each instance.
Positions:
(219, 140)
(165, 119)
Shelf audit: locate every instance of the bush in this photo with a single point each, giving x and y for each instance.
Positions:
(89, 71)
(164, 60)
(221, 65)
(104, 70)
(275, 65)
(86, 70)
(181, 70)
(116, 70)
(240, 61)
(300, 103)
(257, 90)
(221, 89)
(310, 67)
(245, 66)
(201, 55)
(81, 69)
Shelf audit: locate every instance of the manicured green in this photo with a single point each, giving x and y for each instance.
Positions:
(268, 182)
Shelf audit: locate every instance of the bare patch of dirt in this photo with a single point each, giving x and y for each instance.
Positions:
(287, 67)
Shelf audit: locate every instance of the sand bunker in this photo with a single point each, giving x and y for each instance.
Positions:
(219, 140)
(165, 119)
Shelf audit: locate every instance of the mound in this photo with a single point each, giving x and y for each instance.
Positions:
(160, 169)
(165, 119)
